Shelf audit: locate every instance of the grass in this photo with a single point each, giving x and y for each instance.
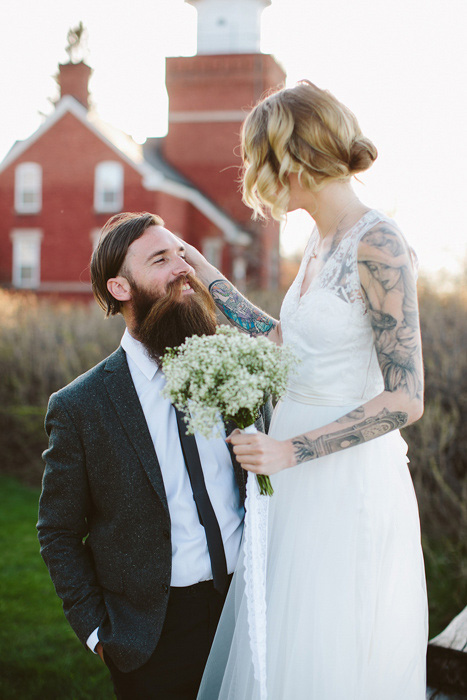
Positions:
(40, 657)
(446, 573)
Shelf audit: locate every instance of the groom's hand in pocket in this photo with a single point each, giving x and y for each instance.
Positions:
(260, 453)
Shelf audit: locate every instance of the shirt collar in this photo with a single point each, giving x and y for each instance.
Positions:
(138, 354)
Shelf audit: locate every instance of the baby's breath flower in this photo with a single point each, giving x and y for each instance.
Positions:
(228, 373)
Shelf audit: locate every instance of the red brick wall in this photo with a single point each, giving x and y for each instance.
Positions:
(228, 81)
(174, 211)
(7, 194)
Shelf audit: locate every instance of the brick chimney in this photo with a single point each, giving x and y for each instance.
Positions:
(73, 79)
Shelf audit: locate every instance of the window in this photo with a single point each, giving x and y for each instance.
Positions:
(108, 187)
(212, 251)
(28, 188)
(239, 270)
(26, 258)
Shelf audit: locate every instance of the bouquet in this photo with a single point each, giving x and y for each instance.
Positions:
(227, 374)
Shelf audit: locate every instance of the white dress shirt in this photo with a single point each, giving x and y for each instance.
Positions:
(190, 556)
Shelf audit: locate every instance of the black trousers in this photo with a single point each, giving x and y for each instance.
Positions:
(175, 669)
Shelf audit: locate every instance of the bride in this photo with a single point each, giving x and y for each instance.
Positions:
(345, 583)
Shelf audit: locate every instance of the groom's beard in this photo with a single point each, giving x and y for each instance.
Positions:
(165, 321)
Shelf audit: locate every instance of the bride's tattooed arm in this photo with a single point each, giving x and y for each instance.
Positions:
(241, 312)
(388, 282)
(306, 448)
(388, 286)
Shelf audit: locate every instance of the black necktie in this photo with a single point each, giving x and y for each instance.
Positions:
(206, 512)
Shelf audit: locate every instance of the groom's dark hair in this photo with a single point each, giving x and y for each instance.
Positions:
(108, 258)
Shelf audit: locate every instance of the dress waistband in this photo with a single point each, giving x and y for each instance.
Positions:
(320, 400)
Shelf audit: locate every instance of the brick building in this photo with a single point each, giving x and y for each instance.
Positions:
(59, 186)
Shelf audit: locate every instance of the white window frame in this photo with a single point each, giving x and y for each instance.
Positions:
(239, 270)
(212, 250)
(106, 171)
(28, 180)
(26, 253)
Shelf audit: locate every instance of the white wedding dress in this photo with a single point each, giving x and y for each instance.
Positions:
(345, 585)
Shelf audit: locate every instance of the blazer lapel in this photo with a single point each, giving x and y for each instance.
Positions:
(122, 394)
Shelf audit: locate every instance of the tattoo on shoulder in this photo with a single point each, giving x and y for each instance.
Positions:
(239, 310)
(356, 434)
(385, 239)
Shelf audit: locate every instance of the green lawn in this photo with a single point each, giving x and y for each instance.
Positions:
(40, 657)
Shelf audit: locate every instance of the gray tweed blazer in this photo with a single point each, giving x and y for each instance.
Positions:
(104, 524)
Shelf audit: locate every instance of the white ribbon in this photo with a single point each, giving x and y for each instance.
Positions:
(255, 549)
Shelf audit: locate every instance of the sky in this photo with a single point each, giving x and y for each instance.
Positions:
(400, 65)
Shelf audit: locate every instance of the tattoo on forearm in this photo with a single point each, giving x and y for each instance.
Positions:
(239, 310)
(356, 414)
(392, 286)
(356, 434)
(304, 449)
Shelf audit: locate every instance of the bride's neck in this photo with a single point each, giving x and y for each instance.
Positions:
(335, 203)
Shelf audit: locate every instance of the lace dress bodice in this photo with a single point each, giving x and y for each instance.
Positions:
(329, 327)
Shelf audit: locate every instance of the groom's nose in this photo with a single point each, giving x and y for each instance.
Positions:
(182, 268)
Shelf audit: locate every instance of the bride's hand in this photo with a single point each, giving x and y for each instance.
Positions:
(194, 257)
(260, 453)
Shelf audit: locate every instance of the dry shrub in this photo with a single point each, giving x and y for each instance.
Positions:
(43, 346)
(438, 442)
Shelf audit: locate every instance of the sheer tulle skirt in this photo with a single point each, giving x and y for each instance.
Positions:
(346, 595)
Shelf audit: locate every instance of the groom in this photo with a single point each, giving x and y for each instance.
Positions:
(140, 524)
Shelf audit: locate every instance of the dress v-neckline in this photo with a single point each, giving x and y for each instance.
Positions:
(308, 255)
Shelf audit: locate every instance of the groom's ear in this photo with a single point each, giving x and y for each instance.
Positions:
(119, 288)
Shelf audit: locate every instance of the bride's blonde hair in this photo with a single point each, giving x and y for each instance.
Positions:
(302, 130)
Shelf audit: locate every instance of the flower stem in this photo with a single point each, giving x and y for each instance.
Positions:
(265, 486)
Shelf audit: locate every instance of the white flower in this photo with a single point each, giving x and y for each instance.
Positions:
(228, 373)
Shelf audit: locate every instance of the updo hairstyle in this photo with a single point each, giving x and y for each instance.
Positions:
(302, 130)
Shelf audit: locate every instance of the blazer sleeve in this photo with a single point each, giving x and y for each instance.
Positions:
(64, 508)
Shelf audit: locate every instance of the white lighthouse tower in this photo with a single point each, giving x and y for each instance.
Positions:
(229, 26)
